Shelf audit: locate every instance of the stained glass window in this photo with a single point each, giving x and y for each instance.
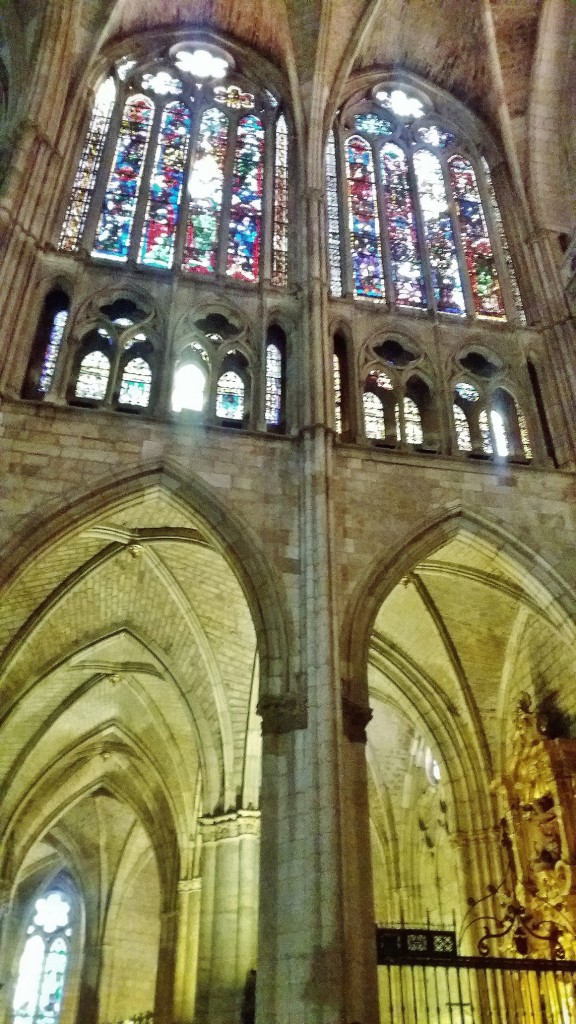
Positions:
(189, 387)
(85, 179)
(373, 416)
(463, 437)
(412, 422)
(52, 350)
(337, 393)
(246, 212)
(477, 246)
(407, 278)
(373, 124)
(157, 248)
(485, 433)
(136, 383)
(497, 218)
(93, 376)
(115, 225)
(417, 224)
(42, 968)
(334, 259)
(273, 385)
(205, 187)
(280, 240)
(230, 397)
(150, 182)
(364, 226)
(439, 233)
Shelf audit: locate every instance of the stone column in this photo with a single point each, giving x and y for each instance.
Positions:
(229, 915)
(185, 981)
(165, 978)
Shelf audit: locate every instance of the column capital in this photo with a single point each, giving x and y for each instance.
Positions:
(230, 826)
(188, 885)
(282, 713)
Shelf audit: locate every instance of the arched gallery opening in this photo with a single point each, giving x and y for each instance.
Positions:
(131, 799)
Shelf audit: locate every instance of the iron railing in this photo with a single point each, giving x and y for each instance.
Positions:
(422, 980)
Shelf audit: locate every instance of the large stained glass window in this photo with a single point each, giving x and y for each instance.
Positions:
(246, 212)
(477, 247)
(175, 167)
(412, 422)
(419, 233)
(280, 239)
(116, 219)
(363, 217)
(52, 350)
(333, 217)
(42, 968)
(463, 437)
(85, 179)
(406, 265)
(205, 189)
(157, 249)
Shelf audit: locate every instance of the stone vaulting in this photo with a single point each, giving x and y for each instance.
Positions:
(271, 678)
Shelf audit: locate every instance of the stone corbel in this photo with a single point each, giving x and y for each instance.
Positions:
(355, 720)
(282, 714)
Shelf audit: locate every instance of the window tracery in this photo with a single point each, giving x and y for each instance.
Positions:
(184, 174)
(489, 422)
(422, 228)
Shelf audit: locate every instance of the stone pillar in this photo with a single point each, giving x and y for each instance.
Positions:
(229, 915)
(185, 981)
(165, 988)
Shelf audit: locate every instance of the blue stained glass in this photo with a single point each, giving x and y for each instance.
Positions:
(230, 397)
(407, 275)
(246, 212)
(372, 124)
(439, 233)
(205, 187)
(364, 228)
(115, 225)
(157, 249)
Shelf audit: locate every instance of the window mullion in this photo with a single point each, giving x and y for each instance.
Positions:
(383, 221)
(464, 277)
(421, 236)
(87, 240)
(227, 188)
(344, 204)
(142, 199)
(197, 110)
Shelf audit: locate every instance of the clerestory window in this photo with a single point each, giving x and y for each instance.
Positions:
(412, 216)
(185, 165)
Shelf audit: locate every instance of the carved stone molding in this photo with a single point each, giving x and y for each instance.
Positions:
(282, 714)
(355, 720)
(188, 885)
(230, 826)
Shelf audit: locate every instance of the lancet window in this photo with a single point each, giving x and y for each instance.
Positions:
(412, 216)
(185, 165)
(43, 963)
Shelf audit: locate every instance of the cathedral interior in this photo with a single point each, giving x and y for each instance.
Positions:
(287, 511)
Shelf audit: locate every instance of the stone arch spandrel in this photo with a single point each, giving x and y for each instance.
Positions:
(222, 527)
(383, 574)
